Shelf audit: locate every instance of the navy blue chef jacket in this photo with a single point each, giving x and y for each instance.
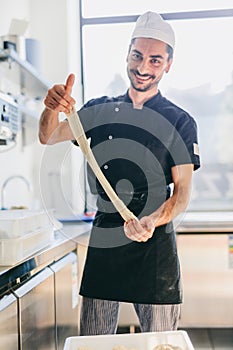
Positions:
(135, 149)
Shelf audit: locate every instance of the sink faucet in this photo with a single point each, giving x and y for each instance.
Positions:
(10, 178)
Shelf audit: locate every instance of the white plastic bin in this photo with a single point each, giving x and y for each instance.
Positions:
(137, 341)
(16, 223)
(14, 250)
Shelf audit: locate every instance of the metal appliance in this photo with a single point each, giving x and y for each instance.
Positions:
(66, 298)
(10, 119)
(35, 300)
(205, 248)
(207, 273)
(8, 323)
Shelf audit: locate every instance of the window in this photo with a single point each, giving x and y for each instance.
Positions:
(200, 81)
(93, 8)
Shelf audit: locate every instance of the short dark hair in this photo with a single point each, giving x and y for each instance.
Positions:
(169, 49)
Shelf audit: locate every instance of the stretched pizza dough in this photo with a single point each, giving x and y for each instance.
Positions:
(79, 134)
(166, 347)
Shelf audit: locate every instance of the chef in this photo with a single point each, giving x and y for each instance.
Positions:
(147, 148)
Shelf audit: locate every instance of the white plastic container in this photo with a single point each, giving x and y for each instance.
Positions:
(137, 341)
(16, 223)
(14, 250)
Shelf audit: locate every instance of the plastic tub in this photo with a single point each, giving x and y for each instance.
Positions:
(16, 223)
(15, 250)
(137, 341)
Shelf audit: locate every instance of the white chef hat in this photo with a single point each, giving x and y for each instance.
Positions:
(152, 25)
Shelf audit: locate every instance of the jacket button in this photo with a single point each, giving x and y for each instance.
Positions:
(110, 137)
(117, 109)
(106, 166)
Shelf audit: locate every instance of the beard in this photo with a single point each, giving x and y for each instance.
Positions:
(143, 86)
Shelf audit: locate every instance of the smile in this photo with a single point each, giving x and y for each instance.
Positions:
(143, 78)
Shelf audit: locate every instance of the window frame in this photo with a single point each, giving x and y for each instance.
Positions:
(192, 15)
(86, 21)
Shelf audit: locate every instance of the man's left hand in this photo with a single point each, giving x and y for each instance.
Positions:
(139, 230)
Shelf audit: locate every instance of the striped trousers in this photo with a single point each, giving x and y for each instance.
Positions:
(101, 317)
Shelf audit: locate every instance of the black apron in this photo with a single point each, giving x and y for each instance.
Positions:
(132, 271)
(137, 165)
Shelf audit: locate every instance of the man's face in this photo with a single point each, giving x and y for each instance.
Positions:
(147, 61)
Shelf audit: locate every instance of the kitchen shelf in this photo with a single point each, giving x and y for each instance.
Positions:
(30, 80)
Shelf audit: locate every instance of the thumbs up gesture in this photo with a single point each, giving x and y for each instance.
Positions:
(59, 98)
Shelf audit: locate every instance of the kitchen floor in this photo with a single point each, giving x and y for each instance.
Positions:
(202, 338)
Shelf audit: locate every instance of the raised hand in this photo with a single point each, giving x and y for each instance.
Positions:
(59, 97)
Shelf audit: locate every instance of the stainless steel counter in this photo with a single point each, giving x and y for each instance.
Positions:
(73, 233)
(204, 222)
(204, 244)
(65, 241)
